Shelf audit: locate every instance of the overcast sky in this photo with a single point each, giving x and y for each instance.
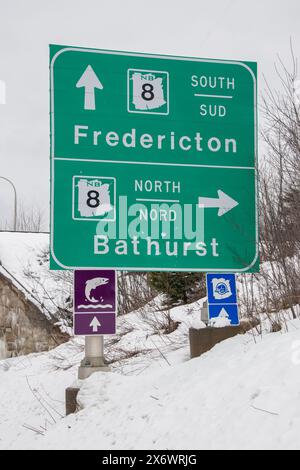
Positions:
(255, 30)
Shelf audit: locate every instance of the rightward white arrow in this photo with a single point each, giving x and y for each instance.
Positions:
(90, 82)
(223, 202)
(95, 324)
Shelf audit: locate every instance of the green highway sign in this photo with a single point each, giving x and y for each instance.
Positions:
(153, 162)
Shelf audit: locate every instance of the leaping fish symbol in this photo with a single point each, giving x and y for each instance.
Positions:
(91, 284)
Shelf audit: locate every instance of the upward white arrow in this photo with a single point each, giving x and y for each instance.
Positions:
(90, 82)
(95, 324)
(224, 202)
(223, 313)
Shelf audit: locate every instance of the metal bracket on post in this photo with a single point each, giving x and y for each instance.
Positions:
(204, 313)
(94, 358)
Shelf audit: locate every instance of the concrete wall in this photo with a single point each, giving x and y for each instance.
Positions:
(23, 327)
(205, 339)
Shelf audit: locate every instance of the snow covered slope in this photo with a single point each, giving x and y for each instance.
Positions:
(241, 395)
(24, 260)
(18, 250)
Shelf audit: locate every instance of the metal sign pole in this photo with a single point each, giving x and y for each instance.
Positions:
(95, 307)
(94, 347)
(15, 200)
(94, 357)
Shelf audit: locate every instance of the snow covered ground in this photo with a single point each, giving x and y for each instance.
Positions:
(244, 394)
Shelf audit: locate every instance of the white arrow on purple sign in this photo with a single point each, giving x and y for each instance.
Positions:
(95, 324)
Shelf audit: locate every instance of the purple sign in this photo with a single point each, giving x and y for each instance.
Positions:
(94, 291)
(94, 324)
(94, 302)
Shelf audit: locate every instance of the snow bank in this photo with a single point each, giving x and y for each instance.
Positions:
(240, 395)
(141, 331)
(24, 260)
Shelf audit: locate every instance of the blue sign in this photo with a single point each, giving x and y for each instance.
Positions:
(222, 300)
(223, 315)
(221, 288)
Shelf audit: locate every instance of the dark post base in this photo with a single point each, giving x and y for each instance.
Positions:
(71, 400)
(205, 339)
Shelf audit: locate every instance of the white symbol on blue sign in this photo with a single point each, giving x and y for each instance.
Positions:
(222, 300)
(221, 288)
(220, 315)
